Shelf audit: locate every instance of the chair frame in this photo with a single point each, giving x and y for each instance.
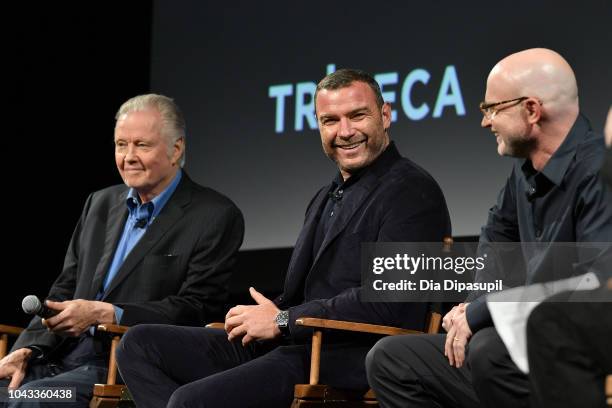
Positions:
(108, 395)
(5, 332)
(314, 394)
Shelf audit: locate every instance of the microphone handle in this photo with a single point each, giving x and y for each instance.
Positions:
(46, 312)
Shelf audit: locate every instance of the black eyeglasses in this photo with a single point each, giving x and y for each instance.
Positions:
(488, 111)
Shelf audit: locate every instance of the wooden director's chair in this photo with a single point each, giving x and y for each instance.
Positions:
(314, 394)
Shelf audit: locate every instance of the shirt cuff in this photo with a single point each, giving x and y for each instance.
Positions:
(118, 314)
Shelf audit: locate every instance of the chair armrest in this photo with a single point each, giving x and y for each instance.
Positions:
(318, 323)
(11, 330)
(6, 331)
(216, 325)
(113, 328)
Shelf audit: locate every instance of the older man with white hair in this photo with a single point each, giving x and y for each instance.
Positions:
(157, 249)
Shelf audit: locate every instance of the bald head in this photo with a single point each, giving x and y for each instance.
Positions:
(539, 73)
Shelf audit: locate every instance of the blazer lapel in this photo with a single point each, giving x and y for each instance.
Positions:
(167, 218)
(363, 188)
(116, 221)
(302, 252)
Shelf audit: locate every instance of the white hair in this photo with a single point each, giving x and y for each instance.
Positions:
(173, 122)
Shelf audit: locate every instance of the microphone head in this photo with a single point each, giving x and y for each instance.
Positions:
(31, 304)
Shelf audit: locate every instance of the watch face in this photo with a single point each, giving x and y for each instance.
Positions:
(282, 318)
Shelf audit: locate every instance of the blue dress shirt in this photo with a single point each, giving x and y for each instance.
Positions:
(140, 216)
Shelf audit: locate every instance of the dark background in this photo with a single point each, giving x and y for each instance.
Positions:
(218, 60)
(76, 63)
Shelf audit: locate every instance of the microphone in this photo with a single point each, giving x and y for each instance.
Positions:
(336, 196)
(140, 223)
(32, 305)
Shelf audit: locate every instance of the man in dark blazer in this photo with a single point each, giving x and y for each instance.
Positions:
(376, 196)
(155, 250)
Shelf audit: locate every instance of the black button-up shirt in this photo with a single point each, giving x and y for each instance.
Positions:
(564, 202)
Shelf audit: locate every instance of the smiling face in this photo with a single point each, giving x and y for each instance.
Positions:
(353, 128)
(143, 157)
(508, 122)
(511, 131)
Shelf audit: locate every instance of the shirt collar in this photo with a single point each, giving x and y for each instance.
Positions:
(560, 161)
(154, 206)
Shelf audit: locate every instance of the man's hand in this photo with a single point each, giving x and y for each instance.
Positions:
(254, 322)
(447, 321)
(76, 316)
(458, 335)
(14, 366)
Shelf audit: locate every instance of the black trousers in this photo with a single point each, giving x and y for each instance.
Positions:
(79, 366)
(412, 371)
(197, 367)
(570, 350)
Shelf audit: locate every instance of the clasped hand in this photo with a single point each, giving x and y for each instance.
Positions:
(253, 322)
(76, 316)
(458, 334)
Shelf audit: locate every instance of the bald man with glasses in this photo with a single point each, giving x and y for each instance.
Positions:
(553, 194)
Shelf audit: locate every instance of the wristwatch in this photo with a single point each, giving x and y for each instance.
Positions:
(282, 321)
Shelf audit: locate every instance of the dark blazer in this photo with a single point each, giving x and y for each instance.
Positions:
(394, 200)
(176, 274)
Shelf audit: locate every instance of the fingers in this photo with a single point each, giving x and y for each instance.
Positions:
(258, 297)
(17, 379)
(57, 305)
(457, 337)
(448, 345)
(64, 313)
(246, 340)
(234, 317)
(237, 332)
(459, 350)
(232, 322)
(447, 320)
(236, 310)
(65, 324)
(52, 323)
(462, 336)
(64, 328)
